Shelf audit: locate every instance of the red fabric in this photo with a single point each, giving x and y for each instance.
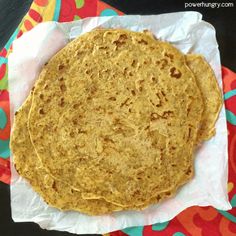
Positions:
(194, 220)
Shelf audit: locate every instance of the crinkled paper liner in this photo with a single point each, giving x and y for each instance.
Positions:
(188, 32)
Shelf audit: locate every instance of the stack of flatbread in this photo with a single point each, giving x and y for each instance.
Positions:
(113, 122)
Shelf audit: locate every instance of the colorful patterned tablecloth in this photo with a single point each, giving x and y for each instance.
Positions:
(194, 221)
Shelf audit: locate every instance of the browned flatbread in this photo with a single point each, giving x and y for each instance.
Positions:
(114, 121)
(115, 115)
(212, 98)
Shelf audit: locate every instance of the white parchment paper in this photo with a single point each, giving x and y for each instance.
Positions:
(188, 32)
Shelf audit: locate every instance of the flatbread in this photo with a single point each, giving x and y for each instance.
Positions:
(212, 97)
(114, 115)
